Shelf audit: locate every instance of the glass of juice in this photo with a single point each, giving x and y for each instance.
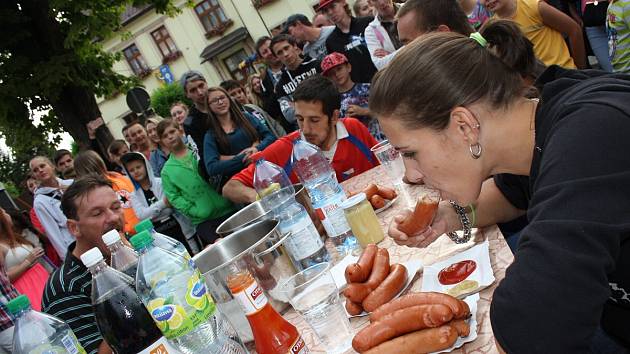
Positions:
(315, 296)
(363, 220)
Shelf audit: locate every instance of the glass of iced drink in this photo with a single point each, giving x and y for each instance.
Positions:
(314, 295)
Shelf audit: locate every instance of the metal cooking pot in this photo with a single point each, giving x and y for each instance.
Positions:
(242, 218)
(255, 212)
(257, 247)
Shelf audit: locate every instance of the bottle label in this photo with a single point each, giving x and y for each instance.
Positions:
(299, 347)
(251, 299)
(175, 317)
(332, 216)
(304, 239)
(160, 346)
(71, 343)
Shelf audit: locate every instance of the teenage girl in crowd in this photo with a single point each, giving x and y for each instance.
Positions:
(561, 160)
(233, 136)
(24, 259)
(159, 155)
(47, 204)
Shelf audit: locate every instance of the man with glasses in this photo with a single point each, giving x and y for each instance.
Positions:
(348, 38)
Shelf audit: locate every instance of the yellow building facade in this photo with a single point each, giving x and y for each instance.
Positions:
(212, 36)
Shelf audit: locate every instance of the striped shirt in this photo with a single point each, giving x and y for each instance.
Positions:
(68, 296)
(618, 26)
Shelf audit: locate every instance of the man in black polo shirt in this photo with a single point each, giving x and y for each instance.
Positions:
(348, 38)
(296, 69)
(92, 208)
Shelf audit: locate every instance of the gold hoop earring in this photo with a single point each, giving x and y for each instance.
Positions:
(475, 150)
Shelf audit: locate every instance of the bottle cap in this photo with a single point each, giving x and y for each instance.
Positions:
(91, 257)
(352, 201)
(145, 224)
(18, 304)
(111, 237)
(141, 239)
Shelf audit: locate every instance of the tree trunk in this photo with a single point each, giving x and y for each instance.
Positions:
(75, 107)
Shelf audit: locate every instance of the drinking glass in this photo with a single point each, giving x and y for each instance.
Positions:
(314, 295)
(388, 156)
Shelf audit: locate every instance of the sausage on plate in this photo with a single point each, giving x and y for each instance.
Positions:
(386, 192)
(460, 308)
(422, 341)
(370, 191)
(380, 270)
(386, 291)
(377, 201)
(353, 308)
(401, 322)
(360, 271)
(356, 292)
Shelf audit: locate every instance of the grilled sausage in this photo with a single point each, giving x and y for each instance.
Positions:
(380, 270)
(401, 322)
(386, 192)
(360, 271)
(423, 298)
(422, 341)
(386, 291)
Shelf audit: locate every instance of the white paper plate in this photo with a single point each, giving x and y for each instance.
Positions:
(483, 274)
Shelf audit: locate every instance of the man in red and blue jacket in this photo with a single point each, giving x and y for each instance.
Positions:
(345, 142)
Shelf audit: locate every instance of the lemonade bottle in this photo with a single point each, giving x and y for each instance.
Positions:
(163, 241)
(37, 332)
(175, 294)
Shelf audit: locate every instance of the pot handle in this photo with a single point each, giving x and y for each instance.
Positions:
(257, 256)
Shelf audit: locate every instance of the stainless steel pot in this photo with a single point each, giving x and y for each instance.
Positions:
(242, 218)
(255, 212)
(258, 247)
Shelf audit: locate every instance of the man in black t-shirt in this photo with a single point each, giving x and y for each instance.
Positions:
(196, 89)
(296, 69)
(348, 38)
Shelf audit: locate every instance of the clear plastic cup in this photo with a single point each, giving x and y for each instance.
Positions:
(388, 156)
(314, 295)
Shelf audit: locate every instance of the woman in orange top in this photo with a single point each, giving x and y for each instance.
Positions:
(544, 26)
(88, 162)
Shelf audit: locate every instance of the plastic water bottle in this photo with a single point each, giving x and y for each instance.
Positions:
(175, 294)
(121, 317)
(123, 258)
(274, 187)
(37, 332)
(163, 241)
(319, 179)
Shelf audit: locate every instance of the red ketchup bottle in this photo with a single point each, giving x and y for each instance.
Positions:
(272, 333)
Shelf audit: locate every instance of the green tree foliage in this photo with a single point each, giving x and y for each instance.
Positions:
(163, 97)
(51, 59)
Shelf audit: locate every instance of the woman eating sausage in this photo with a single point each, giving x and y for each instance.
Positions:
(458, 116)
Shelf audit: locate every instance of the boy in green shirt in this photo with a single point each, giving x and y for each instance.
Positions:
(186, 190)
(618, 25)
